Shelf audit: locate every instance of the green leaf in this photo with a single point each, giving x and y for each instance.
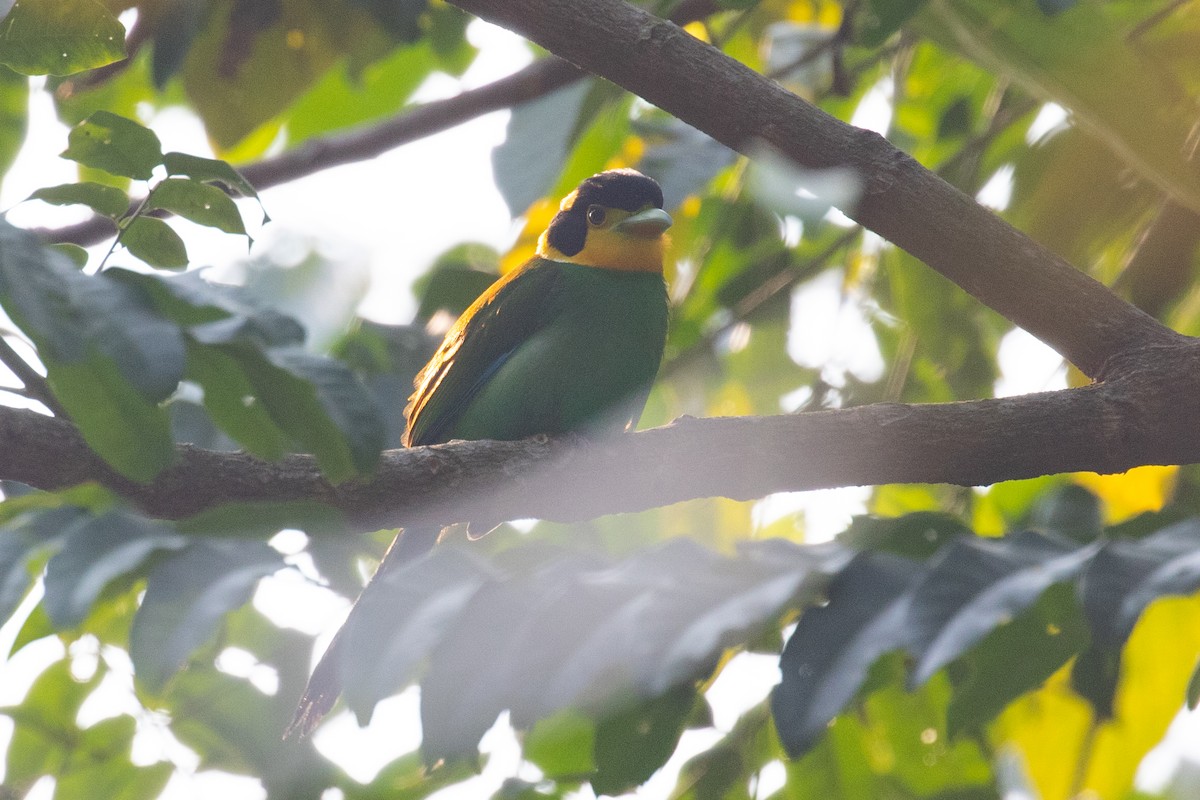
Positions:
(114, 144)
(635, 628)
(1119, 583)
(208, 170)
(1084, 62)
(108, 357)
(1016, 658)
(343, 99)
(103, 775)
(23, 540)
(229, 398)
(44, 732)
(198, 202)
(1193, 690)
(415, 605)
(249, 86)
(95, 553)
(14, 115)
(976, 585)
(562, 746)
(60, 37)
(539, 137)
(261, 395)
(187, 595)
(178, 24)
(235, 315)
(1071, 511)
(397, 17)
(456, 279)
(107, 200)
(682, 159)
(262, 520)
(828, 656)
(631, 745)
(883, 18)
(129, 432)
(320, 404)
(155, 242)
(916, 535)
(76, 254)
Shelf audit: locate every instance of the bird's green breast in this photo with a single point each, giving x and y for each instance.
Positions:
(587, 369)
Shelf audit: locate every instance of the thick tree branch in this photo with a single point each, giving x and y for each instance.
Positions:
(901, 200)
(1145, 415)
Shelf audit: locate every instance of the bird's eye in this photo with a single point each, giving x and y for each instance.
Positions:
(595, 215)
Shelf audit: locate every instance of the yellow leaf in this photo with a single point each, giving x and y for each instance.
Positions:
(1130, 493)
(698, 30)
(1051, 728)
(537, 219)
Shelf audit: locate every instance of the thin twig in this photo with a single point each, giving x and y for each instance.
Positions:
(1086, 747)
(1157, 17)
(35, 386)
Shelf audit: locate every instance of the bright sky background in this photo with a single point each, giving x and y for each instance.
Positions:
(387, 219)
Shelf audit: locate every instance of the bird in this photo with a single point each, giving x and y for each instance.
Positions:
(569, 342)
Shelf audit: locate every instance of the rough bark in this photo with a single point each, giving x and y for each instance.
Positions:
(1145, 416)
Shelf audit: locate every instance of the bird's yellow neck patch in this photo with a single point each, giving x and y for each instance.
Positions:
(608, 249)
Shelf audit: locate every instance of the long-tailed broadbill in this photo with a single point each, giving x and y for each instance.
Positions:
(568, 342)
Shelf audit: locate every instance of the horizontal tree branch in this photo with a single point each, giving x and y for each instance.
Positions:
(900, 200)
(1145, 415)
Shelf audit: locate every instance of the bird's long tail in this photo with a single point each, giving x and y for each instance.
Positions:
(326, 682)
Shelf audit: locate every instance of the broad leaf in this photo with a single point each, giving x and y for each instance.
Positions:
(320, 405)
(114, 144)
(976, 585)
(235, 315)
(539, 136)
(44, 724)
(198, 202)
(119, 423)
(1119, 583)
(632, 744)
(208, 170)
(22, 540)
(155, 242)
(829, 654)
(108, 357)
(412, 607)
(106, 200)
(59, 37)
(597, 632)
(95, 553)
(187, 596)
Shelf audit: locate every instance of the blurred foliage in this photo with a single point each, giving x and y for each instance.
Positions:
(1030, 636)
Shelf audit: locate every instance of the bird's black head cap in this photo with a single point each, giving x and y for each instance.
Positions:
(626, 189)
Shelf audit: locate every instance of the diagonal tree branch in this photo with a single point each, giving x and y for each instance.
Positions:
(901, 200)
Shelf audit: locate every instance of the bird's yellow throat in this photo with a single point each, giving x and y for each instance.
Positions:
(608, 249)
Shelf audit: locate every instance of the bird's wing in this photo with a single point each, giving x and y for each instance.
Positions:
(484, 337)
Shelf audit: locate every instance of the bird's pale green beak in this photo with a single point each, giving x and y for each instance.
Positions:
(645, 224)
